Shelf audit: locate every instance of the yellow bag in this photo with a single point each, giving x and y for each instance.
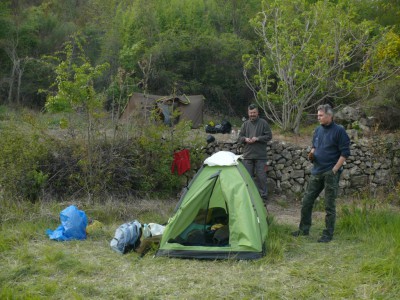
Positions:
(93, 227)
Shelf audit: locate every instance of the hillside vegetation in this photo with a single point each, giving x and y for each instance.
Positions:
(287, 56)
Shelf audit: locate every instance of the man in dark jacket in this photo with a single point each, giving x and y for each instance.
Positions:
(255, 133)
(330, 148)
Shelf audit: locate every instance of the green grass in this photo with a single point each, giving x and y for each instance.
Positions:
(362, 262)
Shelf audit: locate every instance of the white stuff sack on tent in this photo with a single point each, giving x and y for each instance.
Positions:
(152, 229)
(223, 158)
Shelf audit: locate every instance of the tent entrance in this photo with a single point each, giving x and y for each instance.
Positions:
(209, 228)
(209, 225)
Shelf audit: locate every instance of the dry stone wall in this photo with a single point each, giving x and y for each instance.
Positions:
(373, 165)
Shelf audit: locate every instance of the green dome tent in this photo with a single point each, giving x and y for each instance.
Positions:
(220, 215)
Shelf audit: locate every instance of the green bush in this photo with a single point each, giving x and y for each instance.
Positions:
(21, 154)
(139, 165)
(384, 105)
(39, 160)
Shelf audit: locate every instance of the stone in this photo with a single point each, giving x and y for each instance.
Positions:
(272, 174)
(344, 184)
(355, 170)
(297, 174)
(381, 177)
(370, 171)
(296, 188)
(348, 115)
(350, 159)
(285, 185)
(281, 161)
(289, 169)
(297, 167)
(285, 177)
(286, 154)
(365, 129)
(359, 181)
(396, 162)
(345, 174)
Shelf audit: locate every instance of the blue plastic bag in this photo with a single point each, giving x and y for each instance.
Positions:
(73, 225)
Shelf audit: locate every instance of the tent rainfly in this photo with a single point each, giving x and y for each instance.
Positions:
(219, 216)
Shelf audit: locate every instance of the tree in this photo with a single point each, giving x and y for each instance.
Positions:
(384, 12)
(75, 92)
(193, 46)
(309, 54)
(27, 32)
(9, 43)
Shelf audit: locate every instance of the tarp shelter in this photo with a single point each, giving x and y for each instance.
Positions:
(220, 215)
(142, 105)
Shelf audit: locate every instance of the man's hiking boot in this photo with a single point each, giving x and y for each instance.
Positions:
(300, 233)
(324, 239)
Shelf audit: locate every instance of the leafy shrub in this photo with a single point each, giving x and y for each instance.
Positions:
(21, 154)
(157, 145)
(384, 106)
(138, 165)
(39, 160)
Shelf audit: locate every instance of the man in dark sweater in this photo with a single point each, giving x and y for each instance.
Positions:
(330, 148)
(255, 133)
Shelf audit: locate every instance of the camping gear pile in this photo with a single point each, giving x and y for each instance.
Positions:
(223, 127)
(134, 236)
(220, 215)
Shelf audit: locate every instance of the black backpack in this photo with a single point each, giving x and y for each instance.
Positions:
(224, 127)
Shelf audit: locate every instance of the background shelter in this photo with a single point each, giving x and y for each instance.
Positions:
(141, 106)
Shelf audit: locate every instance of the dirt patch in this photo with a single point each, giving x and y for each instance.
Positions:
(289, 214)
(287, 211)
(298, 140)
(301, 141)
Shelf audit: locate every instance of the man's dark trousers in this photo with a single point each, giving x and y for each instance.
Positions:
(257, 167)
(330, 182)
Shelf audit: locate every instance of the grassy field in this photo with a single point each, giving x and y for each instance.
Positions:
(362, 262)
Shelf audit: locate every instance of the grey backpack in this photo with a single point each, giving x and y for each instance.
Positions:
(126, 237)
